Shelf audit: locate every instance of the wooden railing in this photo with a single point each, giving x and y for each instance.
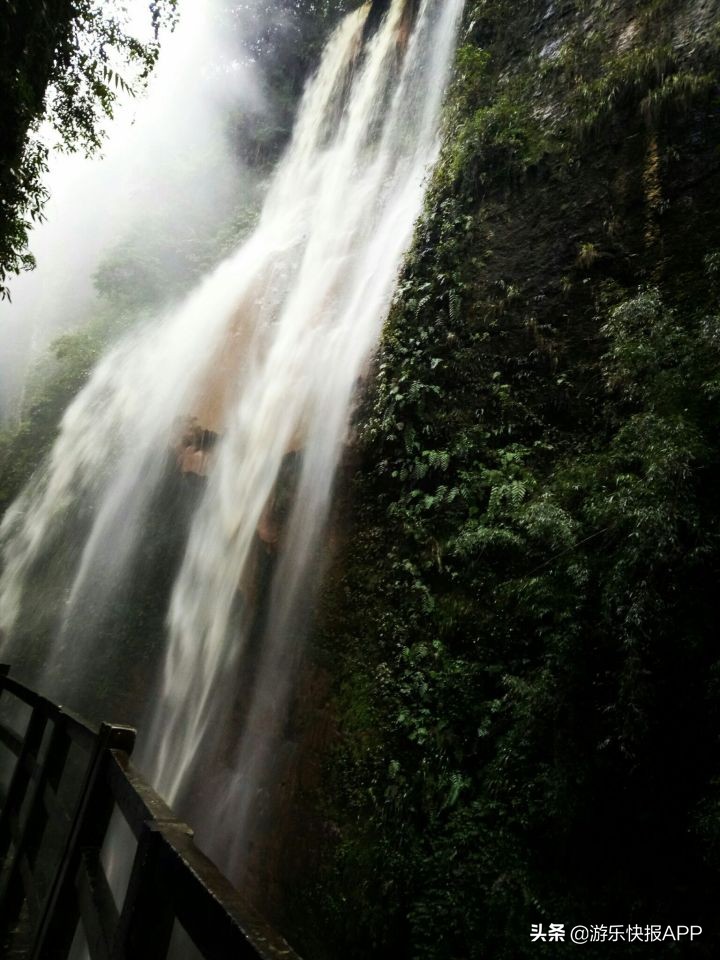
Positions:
(65, 780)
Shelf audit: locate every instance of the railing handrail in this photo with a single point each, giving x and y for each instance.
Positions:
(171, 879)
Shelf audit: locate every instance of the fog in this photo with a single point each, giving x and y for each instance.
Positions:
(244, 389)
(167, 170)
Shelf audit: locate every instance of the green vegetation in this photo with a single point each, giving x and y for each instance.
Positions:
(53, 386)
(62, 63)
(156, 264)
(286, 37)
(522, 625)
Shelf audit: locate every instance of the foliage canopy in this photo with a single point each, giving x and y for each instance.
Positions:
(63, 65)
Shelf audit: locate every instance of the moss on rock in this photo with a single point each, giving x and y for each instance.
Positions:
(523, 637)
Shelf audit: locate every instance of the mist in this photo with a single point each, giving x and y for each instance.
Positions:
(168, 173)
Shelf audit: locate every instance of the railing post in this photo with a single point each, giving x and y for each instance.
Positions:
(171, 881)
(60, 917)
(147, 918)
(12, 895)
(4, 673)
(21, 776)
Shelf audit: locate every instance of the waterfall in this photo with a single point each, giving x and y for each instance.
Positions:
(251, 381)
(148, 182)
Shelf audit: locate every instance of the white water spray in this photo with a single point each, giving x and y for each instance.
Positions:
(148, 187)
(266, 354)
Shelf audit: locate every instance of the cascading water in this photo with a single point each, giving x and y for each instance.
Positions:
(266, 356)
(148, 186)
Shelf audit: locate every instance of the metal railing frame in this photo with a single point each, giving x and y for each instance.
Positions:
(171, 879)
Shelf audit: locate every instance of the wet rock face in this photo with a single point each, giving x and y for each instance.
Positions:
(580, 167)
(194, 448)
(380, 7)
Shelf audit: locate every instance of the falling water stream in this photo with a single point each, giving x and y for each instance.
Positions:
(265, 356)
